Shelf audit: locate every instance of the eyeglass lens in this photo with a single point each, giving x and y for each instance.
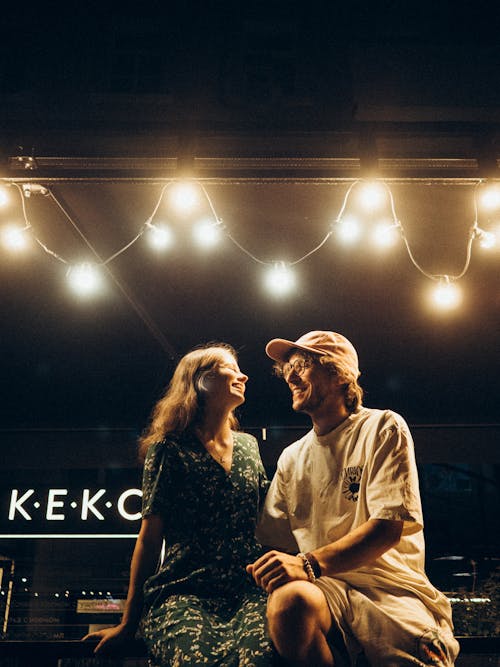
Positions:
(298, 367)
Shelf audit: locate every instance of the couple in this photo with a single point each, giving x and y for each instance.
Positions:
(340, 579)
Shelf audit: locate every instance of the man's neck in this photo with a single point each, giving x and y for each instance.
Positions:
(325, 421)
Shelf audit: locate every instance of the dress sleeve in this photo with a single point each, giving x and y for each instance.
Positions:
(392, 484)
(273, 529)
(155, 480)
(263, 479)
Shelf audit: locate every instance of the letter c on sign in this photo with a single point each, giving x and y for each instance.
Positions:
(121, 504)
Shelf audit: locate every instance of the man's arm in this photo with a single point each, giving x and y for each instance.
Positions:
(361, 546)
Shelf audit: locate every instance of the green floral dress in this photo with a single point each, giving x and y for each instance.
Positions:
(201, 607)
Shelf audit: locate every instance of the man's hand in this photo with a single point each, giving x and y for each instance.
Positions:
(276, 568)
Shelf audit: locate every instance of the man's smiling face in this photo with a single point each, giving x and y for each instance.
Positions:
(312, 384)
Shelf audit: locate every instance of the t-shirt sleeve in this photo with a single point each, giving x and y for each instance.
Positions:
(155, 480)
(273, 529)
(392, 484)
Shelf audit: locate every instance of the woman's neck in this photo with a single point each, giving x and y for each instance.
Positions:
(214, 428)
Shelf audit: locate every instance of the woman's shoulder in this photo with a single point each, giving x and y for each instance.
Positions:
(241, 436)
(166, 447)
(246, 441)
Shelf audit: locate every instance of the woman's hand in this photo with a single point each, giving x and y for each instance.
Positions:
(275, 568)
(110, 637)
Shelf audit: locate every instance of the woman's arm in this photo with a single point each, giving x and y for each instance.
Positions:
(144, 562)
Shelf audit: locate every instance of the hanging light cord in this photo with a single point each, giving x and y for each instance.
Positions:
(217, 221)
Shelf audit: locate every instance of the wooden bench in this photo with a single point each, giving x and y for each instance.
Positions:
(47, 653)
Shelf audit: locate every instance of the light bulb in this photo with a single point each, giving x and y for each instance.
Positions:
(84, 279)
(446, 295)
(207, 233)
(4, 197)
(385, 235)
(280, 279)
(14, 239)
(487, 240)
(372, 196)
(160, 237)
(490, 198)
(184, 196)
(348, 230)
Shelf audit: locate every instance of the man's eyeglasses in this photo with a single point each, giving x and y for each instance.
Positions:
(298, 367)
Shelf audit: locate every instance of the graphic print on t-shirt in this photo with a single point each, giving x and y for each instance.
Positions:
(351, 478)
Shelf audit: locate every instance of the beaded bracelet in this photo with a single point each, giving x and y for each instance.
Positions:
(314, 564)
(307, 567)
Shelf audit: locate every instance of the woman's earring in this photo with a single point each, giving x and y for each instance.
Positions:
(200, 385)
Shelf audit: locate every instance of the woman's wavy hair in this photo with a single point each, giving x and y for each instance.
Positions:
(353, 392)
(181, 407)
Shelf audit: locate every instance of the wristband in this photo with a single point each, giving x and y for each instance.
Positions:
(307, 567)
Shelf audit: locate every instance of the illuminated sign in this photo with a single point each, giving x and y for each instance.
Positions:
(71, 509)
(100, 606)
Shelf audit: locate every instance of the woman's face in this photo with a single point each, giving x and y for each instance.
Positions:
(225, 383)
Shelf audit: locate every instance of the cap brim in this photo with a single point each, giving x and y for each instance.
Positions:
(279, 349)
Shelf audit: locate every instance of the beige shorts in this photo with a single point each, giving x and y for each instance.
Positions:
(390, 630)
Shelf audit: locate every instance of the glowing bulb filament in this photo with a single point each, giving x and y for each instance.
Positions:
(184, 197)
(160, 237)
(4, 197)
(349, 230)
(207, 233)
(280, 279)
(84, 279)
(446, 295)
(487, 240)
(490, 198)
(14, 238)
(372, 196)
(385, 235)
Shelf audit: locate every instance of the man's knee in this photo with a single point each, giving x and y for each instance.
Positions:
(296, 605)
(299, 620)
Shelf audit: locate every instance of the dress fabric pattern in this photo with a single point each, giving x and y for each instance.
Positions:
(201, 607)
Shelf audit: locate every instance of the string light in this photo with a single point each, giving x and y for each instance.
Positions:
(372, 195)
(385, 235)
(348, 230)
(160, 237)
(446, 295)
(490, 198)
(487, 240)
(207, 233)
(85, 279)
(4, 197)
(184, 196)
(279, 279)
(15, 238)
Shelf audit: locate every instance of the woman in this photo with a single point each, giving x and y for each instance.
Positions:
(203, 486)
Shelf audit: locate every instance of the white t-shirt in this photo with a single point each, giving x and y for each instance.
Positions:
(326, 486)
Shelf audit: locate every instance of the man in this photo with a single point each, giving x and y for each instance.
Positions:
(345, 499)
